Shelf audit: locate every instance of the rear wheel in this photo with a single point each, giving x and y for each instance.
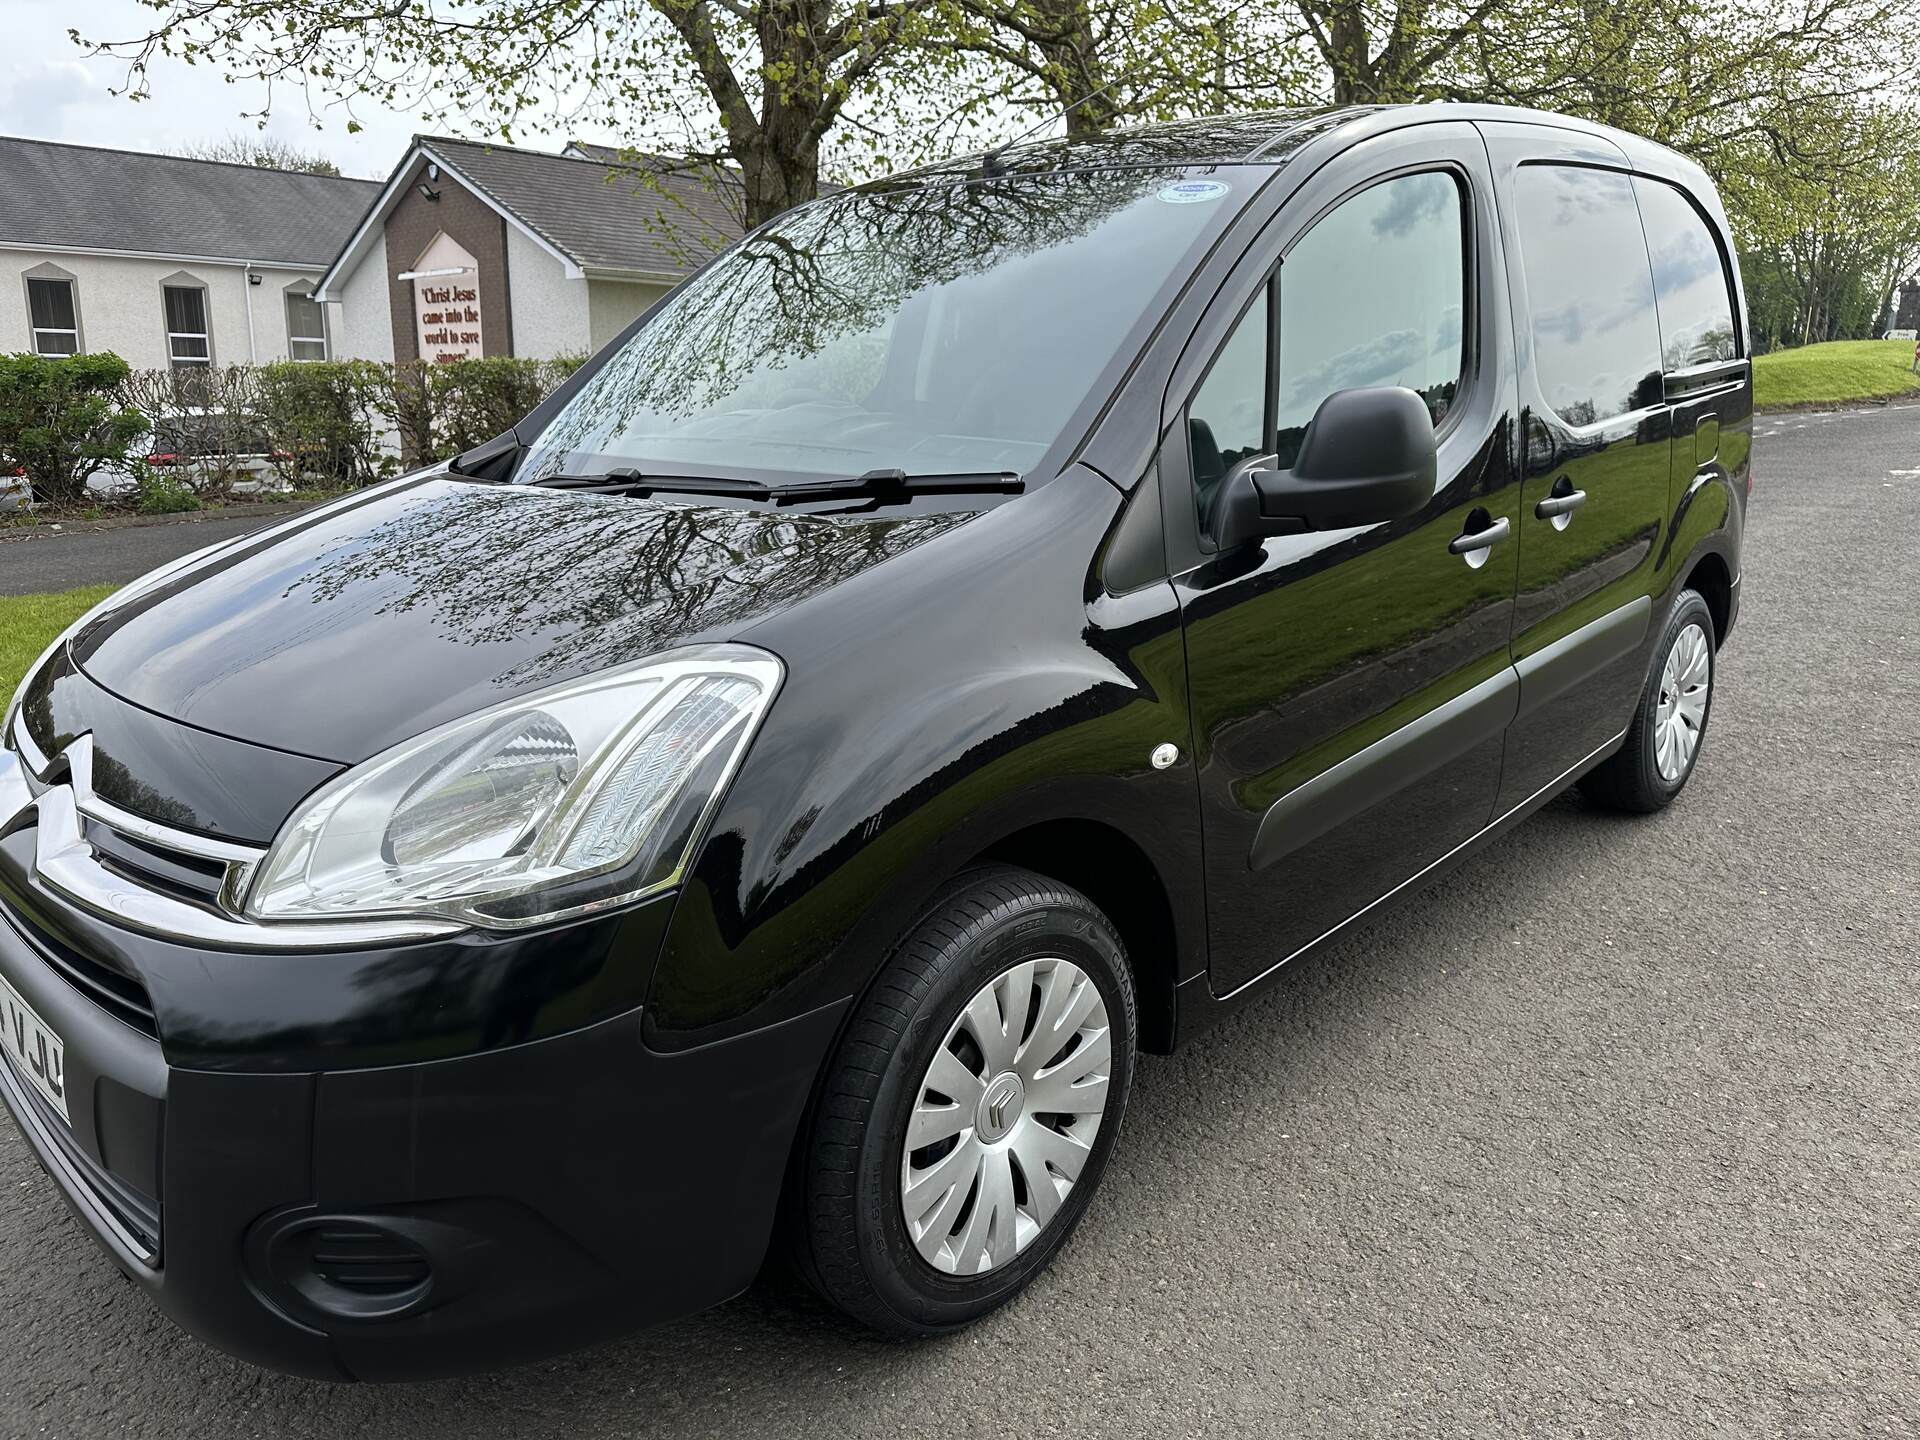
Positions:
(970, 1109)
(1664, 741)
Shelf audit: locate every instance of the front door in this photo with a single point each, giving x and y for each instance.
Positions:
(1350, 690)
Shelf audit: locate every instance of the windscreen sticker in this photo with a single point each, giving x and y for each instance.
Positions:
(1193, 192)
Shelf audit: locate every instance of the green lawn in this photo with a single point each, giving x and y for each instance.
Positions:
(28, 624)
(1833, 373)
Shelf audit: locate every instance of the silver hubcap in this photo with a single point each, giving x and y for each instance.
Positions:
(1684, 685)
(1006, 1116)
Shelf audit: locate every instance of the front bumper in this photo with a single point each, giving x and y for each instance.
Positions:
(306, 1163)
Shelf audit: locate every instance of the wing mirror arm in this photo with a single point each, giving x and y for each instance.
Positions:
(1367, 457)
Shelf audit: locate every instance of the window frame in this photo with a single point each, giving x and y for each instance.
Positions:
(1471, 341)
(303, 290)
(53, 275)
(184, 281)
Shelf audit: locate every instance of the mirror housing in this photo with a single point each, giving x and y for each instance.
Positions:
(1368, 456)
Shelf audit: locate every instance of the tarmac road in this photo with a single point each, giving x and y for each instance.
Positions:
(1612, 1133)
(44, 558)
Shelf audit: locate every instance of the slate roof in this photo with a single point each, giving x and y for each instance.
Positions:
(83, 198)
(600, 213)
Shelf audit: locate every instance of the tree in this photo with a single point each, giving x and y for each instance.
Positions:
(1098, 62)
(778, 75)
(1828, 222)
(61, 422)
(265, 152)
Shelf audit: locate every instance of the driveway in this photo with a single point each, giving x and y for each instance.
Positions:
(1611, 1133)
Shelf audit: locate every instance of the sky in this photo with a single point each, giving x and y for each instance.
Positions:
(56, 92)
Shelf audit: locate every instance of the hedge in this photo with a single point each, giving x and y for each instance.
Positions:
(331, 423)
(63, 421)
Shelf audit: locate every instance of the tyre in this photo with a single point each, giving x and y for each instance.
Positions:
(968, 1113)
(1670, 724)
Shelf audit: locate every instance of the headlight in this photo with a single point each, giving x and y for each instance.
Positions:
(572, 799)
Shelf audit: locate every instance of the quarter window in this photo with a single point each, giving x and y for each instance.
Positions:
(306, 327)
(1227, 421)
(1596, 343)
(55, 318)
(1692, 291)
(188, 341)
(1374, 294)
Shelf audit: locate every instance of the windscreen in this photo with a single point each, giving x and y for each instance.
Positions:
(938, 328)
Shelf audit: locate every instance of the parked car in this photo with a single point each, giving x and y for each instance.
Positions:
(982, 627)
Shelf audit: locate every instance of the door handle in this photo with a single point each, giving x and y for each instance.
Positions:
(1479, 539)
(1556, 505)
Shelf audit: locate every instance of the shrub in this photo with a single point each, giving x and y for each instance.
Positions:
(440, 410)
(324, 419)
(203, 420)
(61, 421)
(162, 492)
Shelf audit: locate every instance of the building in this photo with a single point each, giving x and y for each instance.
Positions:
(164, 260)
(482, 249)
(467, 249)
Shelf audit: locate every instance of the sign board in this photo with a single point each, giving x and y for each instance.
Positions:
(446, 303)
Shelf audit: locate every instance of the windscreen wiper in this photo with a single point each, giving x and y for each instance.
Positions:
(625, 480)
(883, 484)
(874, 484)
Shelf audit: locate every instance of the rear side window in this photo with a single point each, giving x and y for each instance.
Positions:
(1690, 280)
(1596, 343)
(1373, 295)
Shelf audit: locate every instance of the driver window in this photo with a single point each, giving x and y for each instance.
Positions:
(1373, 295)
(1227, 418)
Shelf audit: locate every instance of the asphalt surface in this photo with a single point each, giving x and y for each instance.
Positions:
(44, 558)
(1611, 1133)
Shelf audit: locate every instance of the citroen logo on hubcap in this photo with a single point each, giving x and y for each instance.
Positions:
(1000, 1107)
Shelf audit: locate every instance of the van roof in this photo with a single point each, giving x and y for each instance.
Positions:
(1262, 137)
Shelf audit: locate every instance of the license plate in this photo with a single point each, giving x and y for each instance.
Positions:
(36, 1052)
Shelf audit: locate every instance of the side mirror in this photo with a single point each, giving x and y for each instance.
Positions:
(1368, 456)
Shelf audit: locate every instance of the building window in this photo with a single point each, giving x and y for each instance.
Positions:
(56, 319)
(188, 340)
(306, 326)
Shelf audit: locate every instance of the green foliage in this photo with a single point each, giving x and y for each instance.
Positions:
(1839, 372)
(159, 491)
(61, 421)
(442, 409)
(322, 419)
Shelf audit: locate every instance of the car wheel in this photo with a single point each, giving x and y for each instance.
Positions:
(968, 1112)
(1663, 744)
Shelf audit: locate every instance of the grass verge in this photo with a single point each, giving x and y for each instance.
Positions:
(1834, 373)
(28, 624)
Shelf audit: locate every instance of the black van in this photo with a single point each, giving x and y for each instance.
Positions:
(981, 627)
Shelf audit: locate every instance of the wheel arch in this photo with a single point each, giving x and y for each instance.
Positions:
(1116, 874)
(1711, 576)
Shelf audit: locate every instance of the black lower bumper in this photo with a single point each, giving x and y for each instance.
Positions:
(424, 1219)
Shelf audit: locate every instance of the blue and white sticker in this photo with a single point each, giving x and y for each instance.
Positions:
(1193, 192)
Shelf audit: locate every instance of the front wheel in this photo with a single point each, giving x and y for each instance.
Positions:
(1664, 740)
(969, 1111)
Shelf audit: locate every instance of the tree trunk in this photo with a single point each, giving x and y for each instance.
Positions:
(1074, 73)
(782, 164)
(1347, 55)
